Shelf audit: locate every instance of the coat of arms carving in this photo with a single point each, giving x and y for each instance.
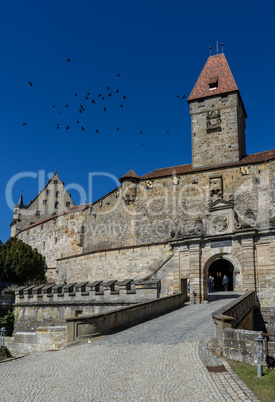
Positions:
(213, 121)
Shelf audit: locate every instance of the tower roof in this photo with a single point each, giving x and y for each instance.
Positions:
(20, 203)
(129, 175)
(216, 78)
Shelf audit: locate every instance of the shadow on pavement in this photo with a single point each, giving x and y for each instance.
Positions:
(223, 295)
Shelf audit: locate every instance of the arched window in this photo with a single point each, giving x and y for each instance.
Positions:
(57, 194)
(56, 205)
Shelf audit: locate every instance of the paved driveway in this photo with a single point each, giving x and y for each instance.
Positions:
(163, 359)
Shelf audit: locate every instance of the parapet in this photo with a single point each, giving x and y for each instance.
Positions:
(90, 292)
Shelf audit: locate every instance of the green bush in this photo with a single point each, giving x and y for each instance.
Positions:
(7, 320)
(21, 264)
(4, 353)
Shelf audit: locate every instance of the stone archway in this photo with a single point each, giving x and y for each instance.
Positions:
(233, 264)
(218, 269)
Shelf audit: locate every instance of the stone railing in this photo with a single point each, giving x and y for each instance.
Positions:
(96, 291)
(235, 315)
(83, 327)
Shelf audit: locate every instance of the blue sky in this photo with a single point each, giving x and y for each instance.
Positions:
(159, 49)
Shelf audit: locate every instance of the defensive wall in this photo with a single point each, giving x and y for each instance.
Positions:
(235, 326)
(43, 311)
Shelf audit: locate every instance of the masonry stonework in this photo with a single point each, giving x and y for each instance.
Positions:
(215, 216)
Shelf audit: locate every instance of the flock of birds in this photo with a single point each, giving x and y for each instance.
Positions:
(88, 98)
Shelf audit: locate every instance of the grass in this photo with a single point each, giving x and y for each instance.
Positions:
(262, 387)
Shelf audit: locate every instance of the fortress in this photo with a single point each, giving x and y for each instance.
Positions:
(215, 216)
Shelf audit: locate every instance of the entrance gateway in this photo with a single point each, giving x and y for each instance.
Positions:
(218, 269)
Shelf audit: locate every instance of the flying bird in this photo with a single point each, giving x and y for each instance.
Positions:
(143, 143)
(140, 132)
(67, 128)
(118, 75)
(117, 129)
(110, 94)
(121, 106)
(105, 109)
(108, 88)
(66, 105)
(99, 95)
(75, 95)
(183, 96)
(103, 97)
(117, 91)
(77, 121)
(82, 128)
(30, 83)
(57, 127)
(96, 130)
(88, 93)
(93, 101)
(53, 106)
(69, 60)
(24, 124)
(124, 97)
(82, 107)
(80, 111)
(86, 97)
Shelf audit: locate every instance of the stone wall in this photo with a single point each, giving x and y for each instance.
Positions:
(227, 143)
(139, 263)
(57, 237)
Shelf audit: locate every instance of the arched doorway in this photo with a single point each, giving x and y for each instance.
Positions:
(218, 269)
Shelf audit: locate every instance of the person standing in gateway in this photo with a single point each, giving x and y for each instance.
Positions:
(225, 282)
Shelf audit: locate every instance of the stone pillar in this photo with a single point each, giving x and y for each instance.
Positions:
(248, 262)
(195, 271)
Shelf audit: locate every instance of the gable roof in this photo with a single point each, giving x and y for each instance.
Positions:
(216, 70)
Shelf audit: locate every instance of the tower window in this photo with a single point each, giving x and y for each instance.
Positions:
(44, 202)
(68, 204)
(55, 182)
(213, 83)
(48, 192)
(37, 213)
(56, 205)
(57, 194)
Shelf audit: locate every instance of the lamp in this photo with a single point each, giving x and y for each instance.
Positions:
(260, 340)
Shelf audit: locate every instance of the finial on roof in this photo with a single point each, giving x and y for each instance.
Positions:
(85, 199)
(210, 48)
(222, 47)
(217, 45)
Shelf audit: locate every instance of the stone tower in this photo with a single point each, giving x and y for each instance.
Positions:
(217, 116)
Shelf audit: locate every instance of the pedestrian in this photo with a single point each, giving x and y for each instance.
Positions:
(225, 282)
(209, 282)
(213, 284)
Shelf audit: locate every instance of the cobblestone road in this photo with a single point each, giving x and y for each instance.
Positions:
(160, 360)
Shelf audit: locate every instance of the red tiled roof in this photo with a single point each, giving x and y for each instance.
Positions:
(183, 169)
(129, 175)
(216, 69)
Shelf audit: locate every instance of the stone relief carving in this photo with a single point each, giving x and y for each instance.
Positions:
(249, 220)
(220, 223)
(199, 229)
(216, 188)
(213, 121)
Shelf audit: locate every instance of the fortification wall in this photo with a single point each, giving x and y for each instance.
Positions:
(58, 237)
(139, 263)
(167, 208)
